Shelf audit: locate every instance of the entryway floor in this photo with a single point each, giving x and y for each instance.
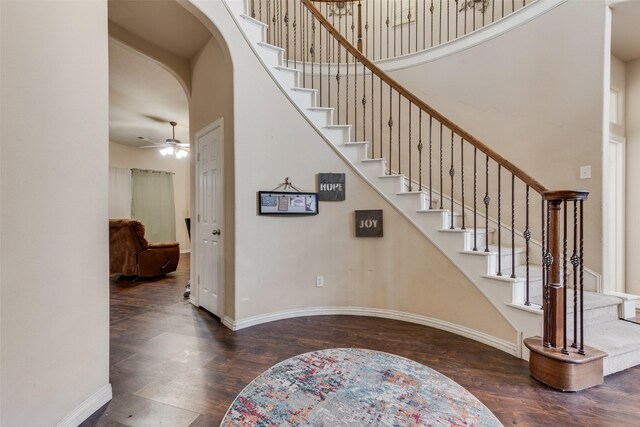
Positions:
(175, 365)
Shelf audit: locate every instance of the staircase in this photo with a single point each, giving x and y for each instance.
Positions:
(497, 265)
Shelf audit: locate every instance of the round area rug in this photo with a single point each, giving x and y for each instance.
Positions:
(355, 387)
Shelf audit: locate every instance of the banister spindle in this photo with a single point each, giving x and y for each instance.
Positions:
(452, 173)
(390, 126)
(581, 350)
(399, 133)
(420, 147)
(286, 23)
(575, 263)
(462, 180)
(527, 238)
(430, 162)
(564, 279)
(441, 171)
(410, 147)
(475, 202)
(499, 273)
(487, 200)
(513, 226)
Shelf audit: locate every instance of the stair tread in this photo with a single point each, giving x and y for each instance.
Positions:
(283, 68)
(270, 46)
(254, 20)
(592, 300)
(304, 89)
(614, 337)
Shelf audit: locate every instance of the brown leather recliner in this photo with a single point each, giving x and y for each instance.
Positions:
(131, 255)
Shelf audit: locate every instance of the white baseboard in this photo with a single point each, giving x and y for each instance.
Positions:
(512, 348)
(86, 408)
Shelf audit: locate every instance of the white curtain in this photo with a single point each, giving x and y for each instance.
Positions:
(119, 193)
(152, 203)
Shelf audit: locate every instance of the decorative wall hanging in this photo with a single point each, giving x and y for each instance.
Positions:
(287, 202)
(478, 5)
(369, 223)
(331, 187)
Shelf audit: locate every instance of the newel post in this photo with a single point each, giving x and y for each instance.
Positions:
(551, 359)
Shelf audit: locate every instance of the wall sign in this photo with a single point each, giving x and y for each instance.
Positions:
(331, 187)
(287, 202)
(369, 223)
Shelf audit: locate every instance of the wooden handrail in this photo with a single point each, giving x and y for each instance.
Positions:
(527, 179)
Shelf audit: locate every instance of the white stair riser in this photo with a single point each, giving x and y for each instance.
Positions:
(481, 238)
(271, 58)
(505, 260)
(253, 30)
(593, 317)
(372, 170)
(303, 98)
(337, 135)
(391, 184)
(354, 153)
(320, 118)
(412, 201)
(286, 78)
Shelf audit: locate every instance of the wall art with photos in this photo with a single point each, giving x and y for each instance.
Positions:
(287, 202)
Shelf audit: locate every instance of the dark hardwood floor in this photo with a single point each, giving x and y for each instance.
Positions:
(175, 365)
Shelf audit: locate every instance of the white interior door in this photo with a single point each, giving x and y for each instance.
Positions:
(209, 220)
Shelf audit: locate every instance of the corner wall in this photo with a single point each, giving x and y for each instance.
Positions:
(54, 284)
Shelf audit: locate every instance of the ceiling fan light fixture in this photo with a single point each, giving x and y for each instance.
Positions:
(166, 151)
(181, 153)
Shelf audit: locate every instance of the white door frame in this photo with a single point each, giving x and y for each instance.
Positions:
(617, 217)
(194, 297)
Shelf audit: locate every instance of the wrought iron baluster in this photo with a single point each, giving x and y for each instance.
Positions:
(286, 23)
(462, 179)
(575, 263)
(499, 221)
(475, 202)
(410, 147)
(527, 238)
(513, 226)
(448, 18)
(390, 126)
(452, 173)
(253, 9)
(548, 260)
(431, 10)
(312, 51)
(430, 162)
(564, 280)
(581, 350)
(420, 146)
(441, 171)
(364, 102)
(399, 132)
(486, 200)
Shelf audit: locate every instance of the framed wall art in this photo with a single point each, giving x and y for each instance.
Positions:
(287, 203)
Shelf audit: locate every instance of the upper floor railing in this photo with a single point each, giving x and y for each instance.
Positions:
(383, 29)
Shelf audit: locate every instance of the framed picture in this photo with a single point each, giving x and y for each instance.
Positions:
(287, 203)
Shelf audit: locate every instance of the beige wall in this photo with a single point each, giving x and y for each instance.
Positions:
(535, 95)
(277, 259)
(633, 175)
(124, 156)
(54, 284)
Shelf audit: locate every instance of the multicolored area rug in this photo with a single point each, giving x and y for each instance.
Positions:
(355, 387)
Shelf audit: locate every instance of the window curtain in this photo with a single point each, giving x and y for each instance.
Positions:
(152, 203)
(119, 193)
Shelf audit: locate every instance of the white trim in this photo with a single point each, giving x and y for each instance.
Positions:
(500, 344)
(479, 36)
(185, 251)
(83, 411)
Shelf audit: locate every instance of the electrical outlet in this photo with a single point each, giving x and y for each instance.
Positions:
(319, 281)
(585, 172)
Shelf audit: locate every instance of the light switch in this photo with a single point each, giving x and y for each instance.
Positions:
(585, 172)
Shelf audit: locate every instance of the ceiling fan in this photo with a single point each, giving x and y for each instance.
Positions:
(171, 145)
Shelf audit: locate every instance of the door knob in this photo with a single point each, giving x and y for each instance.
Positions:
(216, 232)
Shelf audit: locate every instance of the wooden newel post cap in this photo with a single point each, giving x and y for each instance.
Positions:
(562, 195)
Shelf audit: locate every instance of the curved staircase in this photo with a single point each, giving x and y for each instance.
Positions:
(505, 268)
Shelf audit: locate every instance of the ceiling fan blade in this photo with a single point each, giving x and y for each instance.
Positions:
(154, 146)
(184, 144)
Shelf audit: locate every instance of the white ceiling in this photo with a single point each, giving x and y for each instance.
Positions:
(625, 30)
(143, 96)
